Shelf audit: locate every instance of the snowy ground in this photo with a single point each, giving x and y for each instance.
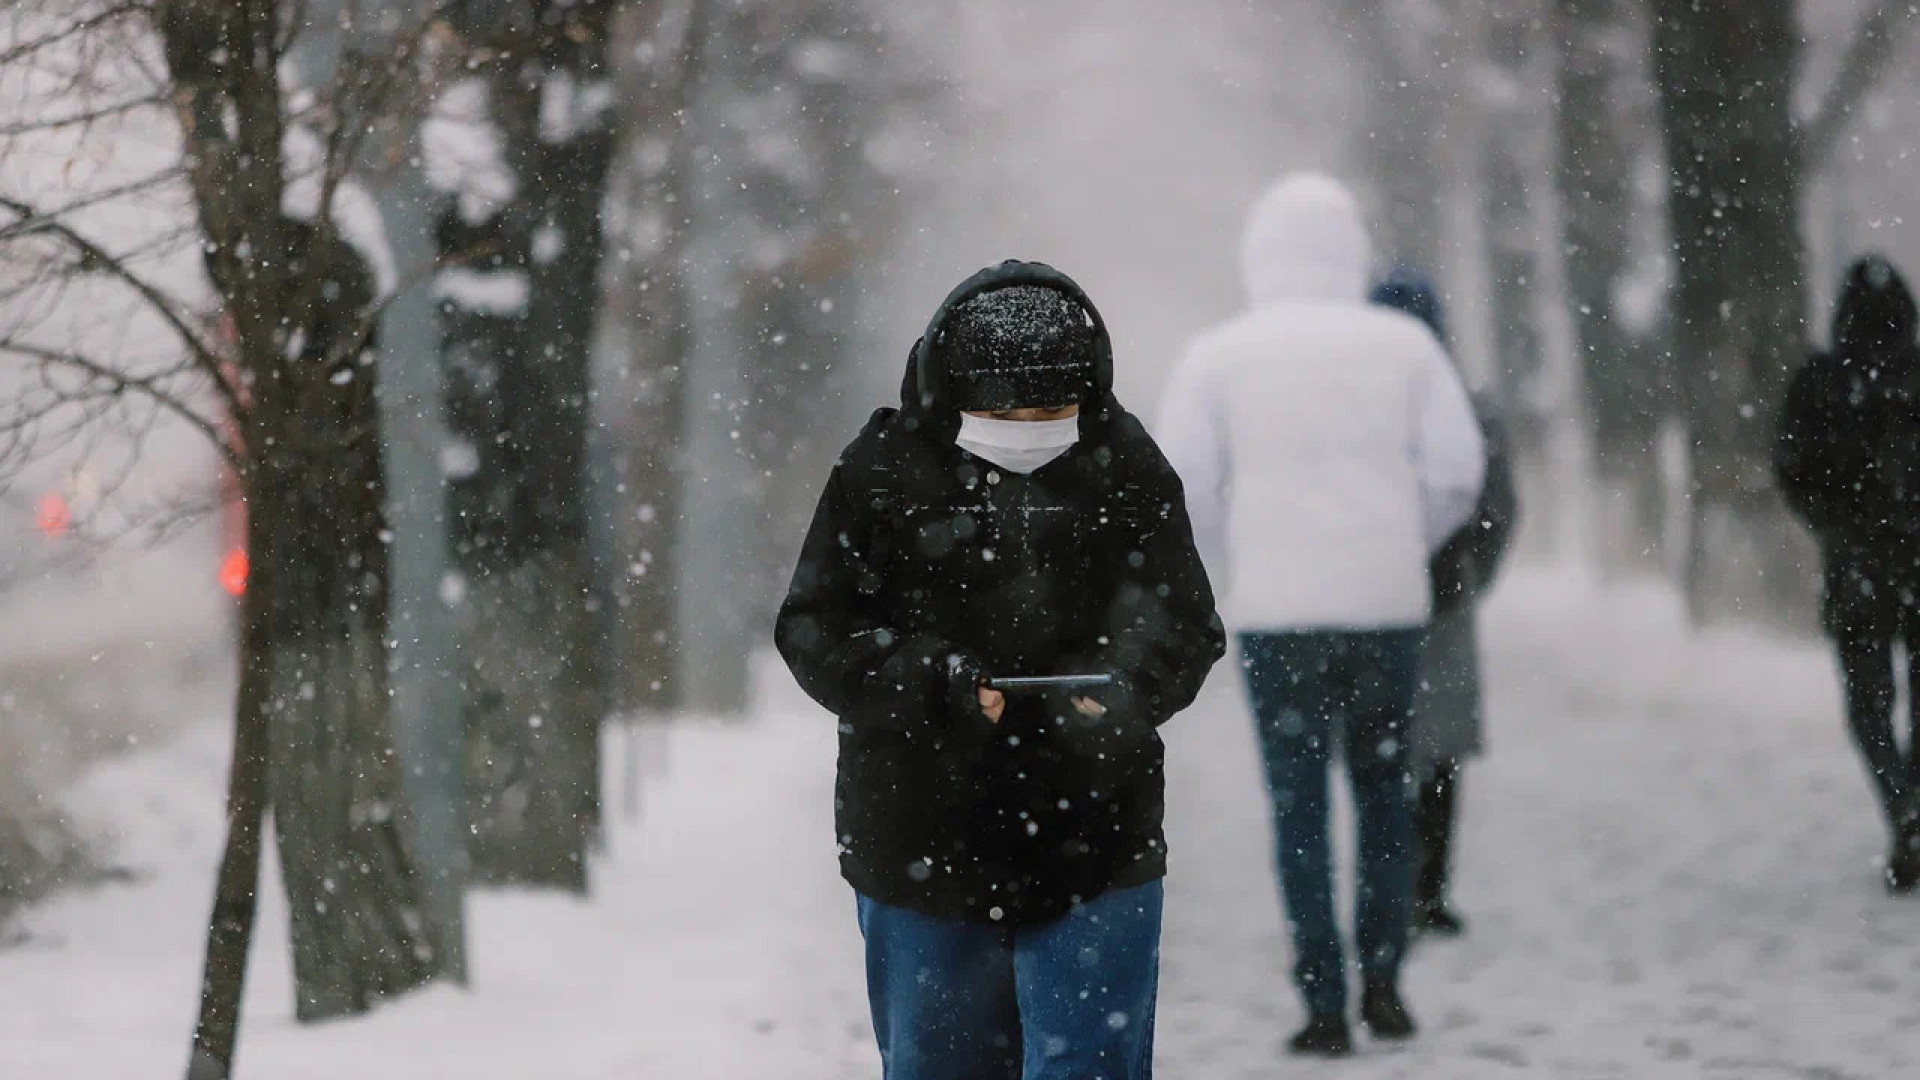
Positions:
(1670, 864)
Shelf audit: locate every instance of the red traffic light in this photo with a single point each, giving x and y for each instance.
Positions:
(233, 572)
(53, 517)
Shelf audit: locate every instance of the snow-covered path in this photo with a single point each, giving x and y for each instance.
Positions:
(1669, 868)
(1669, 864)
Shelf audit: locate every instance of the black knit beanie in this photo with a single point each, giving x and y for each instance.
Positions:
(1020, 347)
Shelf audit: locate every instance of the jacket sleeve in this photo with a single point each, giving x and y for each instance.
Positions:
(840, 639)
(1192, 433)
(1498, 516)
(1465, 568)
(1808, 451)
(1161, 634)
(1448, 451)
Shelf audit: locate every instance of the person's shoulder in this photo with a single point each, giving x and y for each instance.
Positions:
(881, 428)
(1133, 456)
(1489, 411)
(1821, 362)
(1824, 376)
(1406, 335)
(879, 441)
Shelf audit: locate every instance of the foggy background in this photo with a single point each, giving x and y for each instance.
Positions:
(1120, 140)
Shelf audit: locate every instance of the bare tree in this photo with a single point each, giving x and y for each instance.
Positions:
(646, 337)
(271, 361)
(518, 334)
(1874, 47)
(1604, 135)
(1511, 161)
(1409, 51)
(792, 208)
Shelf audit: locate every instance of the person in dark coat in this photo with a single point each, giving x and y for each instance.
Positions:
(1848, 463)
(1447, 722)
(1009, 519)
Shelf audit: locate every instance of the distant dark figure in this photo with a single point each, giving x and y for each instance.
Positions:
(1447, 707)
(1848, 460)
(1009, 519)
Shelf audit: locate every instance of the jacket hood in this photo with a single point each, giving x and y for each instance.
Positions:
(1305, 240)
(924, 397)
(1408, 290)
(1876, 309)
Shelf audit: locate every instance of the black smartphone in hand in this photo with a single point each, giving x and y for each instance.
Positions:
(1016, 683)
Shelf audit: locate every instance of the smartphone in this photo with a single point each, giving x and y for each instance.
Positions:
(1015, 683)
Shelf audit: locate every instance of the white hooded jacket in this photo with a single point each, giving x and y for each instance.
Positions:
(1327, 445)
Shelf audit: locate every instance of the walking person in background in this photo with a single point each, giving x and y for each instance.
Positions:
(1328, 450)
(1848, 462)
(1447, 708)
(1009, 519)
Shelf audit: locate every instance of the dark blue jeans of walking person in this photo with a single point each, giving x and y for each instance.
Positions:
(1070, 999)
(1310, 691)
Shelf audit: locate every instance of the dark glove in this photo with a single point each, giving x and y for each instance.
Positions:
(929, 686)
(1451, 572)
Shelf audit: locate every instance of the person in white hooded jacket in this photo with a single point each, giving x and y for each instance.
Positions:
(1328, 448)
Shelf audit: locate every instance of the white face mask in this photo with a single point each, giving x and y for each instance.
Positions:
(1019, 446)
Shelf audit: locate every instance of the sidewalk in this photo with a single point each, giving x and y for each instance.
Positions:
(1669, 865)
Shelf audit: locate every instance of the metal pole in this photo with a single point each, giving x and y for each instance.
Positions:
(428, 725)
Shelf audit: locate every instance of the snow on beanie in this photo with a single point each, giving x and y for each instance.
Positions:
(1019, 347)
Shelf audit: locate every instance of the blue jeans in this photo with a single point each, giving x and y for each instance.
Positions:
(1071, 999)
(1309, 691)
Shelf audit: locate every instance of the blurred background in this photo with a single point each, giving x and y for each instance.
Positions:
(509, 341)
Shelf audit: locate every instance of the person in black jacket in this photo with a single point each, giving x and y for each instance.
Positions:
(1009, 519)
(1447, 707)
(1848, 462)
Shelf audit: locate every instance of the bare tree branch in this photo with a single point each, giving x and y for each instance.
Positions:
(364, 100)
(80, 119)
(23, 225)
(151, 386)
(1872, 49)
(363, 332)
(77, 28)
(162, 304)
(296, 20)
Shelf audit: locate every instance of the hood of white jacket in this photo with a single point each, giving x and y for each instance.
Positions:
(1306, 240)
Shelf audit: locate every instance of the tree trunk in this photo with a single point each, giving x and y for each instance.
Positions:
(1405, 116)
(236, 888)
(645, 413)
(1725, 71)
(1509, 171)
(1623, 377)
(778, 246)
(518, 388)
(317, 528)
(428, 724)
(425, 702)
(311, 739)
(649, 469)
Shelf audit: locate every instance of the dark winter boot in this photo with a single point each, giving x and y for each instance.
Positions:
(1384, 1013)
(1325, 1035)
(1903, 863)
(1436, 918)
(1434, 810)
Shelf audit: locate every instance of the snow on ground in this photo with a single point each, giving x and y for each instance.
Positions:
(1670, 868)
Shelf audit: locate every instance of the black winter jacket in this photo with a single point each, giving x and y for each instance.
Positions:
(1848, 453)
(927, 568)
